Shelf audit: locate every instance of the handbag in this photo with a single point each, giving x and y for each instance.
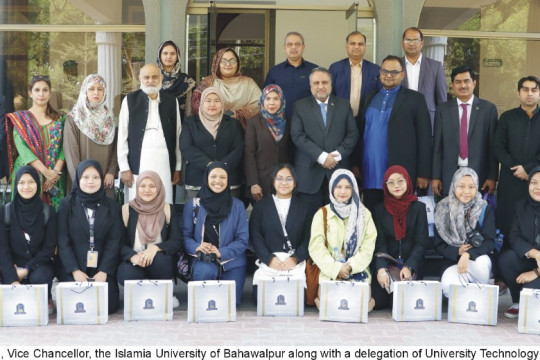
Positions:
(313, 271)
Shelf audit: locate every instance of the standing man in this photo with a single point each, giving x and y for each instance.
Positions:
(394, 130)
(324, 132)
(148, 134)
(292, 75)
(354, 77)
(463, 135)
(423, 74)
(517, 148)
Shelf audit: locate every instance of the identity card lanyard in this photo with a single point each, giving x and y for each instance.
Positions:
(288, 241)
(91, 256)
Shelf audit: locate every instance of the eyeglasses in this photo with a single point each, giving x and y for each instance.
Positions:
(399, 182)
(289, 179)
(40, 77)
(230, 61)
(412, 41)
(392, 73)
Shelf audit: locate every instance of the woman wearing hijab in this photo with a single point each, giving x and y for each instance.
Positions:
(91, 132)
(464, 232)
(520, 265)
(215, 230)
(208, 137)
(151, 238)
(402, 233)
(240, 93)
(267, 142)
(175, 82)
(28, 241)
(349, 234)
(89, 223)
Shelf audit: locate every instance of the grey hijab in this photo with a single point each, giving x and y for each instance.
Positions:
(450, 212)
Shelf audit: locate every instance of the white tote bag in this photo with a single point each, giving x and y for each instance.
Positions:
(417, 301)
(473, 303)
(148, 300)
(344, 301)
(266, 272)
(529, 311)
(281, 296)
(23, 305)
(211, 301)
(82, 303)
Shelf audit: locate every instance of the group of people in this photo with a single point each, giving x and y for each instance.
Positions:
(364, 139)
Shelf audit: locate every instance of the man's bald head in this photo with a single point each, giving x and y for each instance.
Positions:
(150, 77)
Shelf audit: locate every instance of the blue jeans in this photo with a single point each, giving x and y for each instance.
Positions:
(210, 271)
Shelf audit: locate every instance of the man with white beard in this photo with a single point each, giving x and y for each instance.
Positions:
(148, 134)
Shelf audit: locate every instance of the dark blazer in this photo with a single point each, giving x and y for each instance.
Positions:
(4, 167)
(13, 249)
(311, 138)
(73, 235)
(523, 232)
(412, 245)
(170, 235)
(488, 232)
(409, 133)
(199, 148)
(266, 233)
(341, 78)
(263, 153)
(431, 83)
(481, 135)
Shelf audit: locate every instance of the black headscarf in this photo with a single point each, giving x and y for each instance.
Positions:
(88, 200)
(533, 204)
(217, 206)
(28, 212)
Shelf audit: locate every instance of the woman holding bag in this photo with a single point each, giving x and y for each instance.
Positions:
(402, 233)
(464, 232)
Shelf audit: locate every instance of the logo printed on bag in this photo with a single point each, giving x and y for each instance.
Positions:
(79, 307)
(343, 305)
(281, 300)
(148, 304)
(211, 305)
(419, 304)
(19, 310)
(472, 307)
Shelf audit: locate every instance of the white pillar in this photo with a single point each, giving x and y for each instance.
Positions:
(435, 47)
(109, 46)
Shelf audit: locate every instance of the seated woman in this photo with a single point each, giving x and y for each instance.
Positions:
(240, 93)
(464, 232)
(280, 223)
(215, 230)
(402, 232)
(521, 263)
(151, 238)
(212, 136)
(267, 142)
(343, 250)
(89, 222)
(28, 238)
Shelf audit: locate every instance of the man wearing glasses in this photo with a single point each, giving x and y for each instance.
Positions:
(395, 129)
(423, 74)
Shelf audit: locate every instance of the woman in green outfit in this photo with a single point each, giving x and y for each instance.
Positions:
(35, 138)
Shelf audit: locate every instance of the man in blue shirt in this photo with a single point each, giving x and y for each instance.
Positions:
(292, 75)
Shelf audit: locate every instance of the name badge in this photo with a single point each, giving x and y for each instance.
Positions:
(91, 259)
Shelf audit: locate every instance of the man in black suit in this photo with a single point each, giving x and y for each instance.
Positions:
(324, 132)
(464, 138)
(395, 129)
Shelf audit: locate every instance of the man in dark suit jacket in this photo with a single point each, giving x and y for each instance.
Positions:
(341, 72)
(323, 141)
(423, 74)
(394, 130)
(3, 138)
(449, 153)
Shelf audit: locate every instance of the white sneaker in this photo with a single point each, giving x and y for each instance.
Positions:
(175, 302)
(512, 312)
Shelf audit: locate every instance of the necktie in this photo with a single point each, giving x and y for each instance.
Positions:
(463, 144)
(323, 112)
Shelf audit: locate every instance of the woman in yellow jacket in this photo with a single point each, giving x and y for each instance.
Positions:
(343, 250)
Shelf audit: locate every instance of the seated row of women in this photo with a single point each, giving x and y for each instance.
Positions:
(97, 241)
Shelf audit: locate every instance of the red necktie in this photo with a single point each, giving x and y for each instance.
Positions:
(463, 144)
